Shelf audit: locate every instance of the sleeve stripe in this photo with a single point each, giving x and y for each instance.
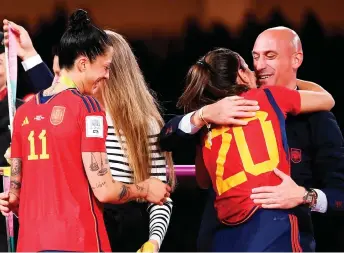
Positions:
(97, 104)
(159, 215)
(157, 228)
(167, 205)
(83, 99)
(91, 103)
(161, 220)
(158, 225)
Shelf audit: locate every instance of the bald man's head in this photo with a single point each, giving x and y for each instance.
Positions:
(277, 55)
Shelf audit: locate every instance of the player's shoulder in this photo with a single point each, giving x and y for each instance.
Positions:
(255, 94)
(278, 92)
(25, 109)
(88, 103)
(28, 106)
(276, 89)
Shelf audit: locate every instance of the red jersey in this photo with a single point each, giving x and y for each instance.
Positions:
(58, 210)
(239, 159)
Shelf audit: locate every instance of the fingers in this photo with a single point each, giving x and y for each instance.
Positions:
(242, 101)
(280, 174)
(15, 28)
(168, 188)
(268, 201)
(6, 24)
(263, 189)
(4, 209)
(247, 108)
(4, 195)
(262, 195)
(4, 202)
(237, 122)
(234, 98)
(242, 114)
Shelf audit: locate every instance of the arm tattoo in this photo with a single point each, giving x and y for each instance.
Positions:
(125, 193)
(139, 188)
(103, 169)
(15, 185)
(99, 185)
(16, 167)
(94, 166)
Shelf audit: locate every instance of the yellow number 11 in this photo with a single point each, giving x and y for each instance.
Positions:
(43, 138)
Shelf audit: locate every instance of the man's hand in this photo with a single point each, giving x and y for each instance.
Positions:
(284, 196)
(4, 203)
(25, 48)
(157, 191)
(150, 246)
(227, 111)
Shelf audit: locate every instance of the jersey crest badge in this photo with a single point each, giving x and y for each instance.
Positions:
(295, 155)
(57, 114)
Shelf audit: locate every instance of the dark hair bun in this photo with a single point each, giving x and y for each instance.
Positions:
(78, 20)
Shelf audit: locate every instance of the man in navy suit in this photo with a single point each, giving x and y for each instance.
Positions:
(315, 140)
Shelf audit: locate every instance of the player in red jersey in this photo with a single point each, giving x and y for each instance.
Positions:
(60, 174)
(237, 159)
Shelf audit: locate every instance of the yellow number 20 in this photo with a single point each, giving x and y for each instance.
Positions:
(43, 138)
(224, 185)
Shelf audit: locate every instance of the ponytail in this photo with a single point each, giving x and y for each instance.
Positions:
(197, 79)
(211, 79)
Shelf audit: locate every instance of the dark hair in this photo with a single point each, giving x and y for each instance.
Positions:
(55, 50)
(212, 78)
(81, 38)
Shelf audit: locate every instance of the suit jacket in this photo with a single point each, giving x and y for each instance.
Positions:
(40, 76)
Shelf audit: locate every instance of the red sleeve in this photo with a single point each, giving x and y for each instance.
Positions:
(93, 126)
(288, 100)
(16, 147)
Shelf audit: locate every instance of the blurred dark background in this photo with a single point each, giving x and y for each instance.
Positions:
(168, 36)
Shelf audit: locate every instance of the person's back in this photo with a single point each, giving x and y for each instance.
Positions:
(56, 196)
(239, 159)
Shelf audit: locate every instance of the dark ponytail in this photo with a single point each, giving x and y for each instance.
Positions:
(197, 79)
(81, 38)
(212, 78)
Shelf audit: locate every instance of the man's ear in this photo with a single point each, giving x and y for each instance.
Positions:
(297, 60)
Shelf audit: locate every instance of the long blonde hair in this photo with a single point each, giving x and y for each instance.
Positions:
(133, 110)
